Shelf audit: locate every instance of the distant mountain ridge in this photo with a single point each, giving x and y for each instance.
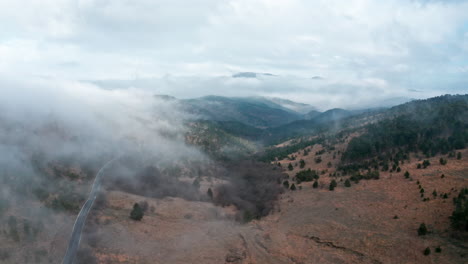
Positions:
(253, 111)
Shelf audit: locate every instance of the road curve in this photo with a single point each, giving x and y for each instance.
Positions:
(75, 238)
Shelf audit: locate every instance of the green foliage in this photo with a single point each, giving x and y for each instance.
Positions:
(438, 249)
(290, 167)
(442, 161)
(407, 174)
(436, 125)
(306, 176)
(427, 251)
(301, 163)
(137, 212)
(67, 201)
(293, 187)
(426, 163)
(422, 230)
(459, 155)
(459, 218)
(286, 184)
(248, 216)
(434, 193)
(315, 185)
(332, 186)
(347, 183)
(318, 160)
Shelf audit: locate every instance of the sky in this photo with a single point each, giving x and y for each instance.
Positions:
(359, 51)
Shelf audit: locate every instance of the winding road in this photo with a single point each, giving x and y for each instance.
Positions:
(75, 238)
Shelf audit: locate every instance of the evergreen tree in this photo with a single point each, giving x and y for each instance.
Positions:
(332, 186)
(209, 193)
(136, 213)
(290, 167)
(347, 183)
(427, 251)
(459, 155)
(301, 163)
(315, 185)
(422, 230)
(293, 187)
(407, 174)
(426, 163)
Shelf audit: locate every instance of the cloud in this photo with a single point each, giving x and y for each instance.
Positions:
(407, 44)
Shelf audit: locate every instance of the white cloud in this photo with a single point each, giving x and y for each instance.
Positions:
(402, 43)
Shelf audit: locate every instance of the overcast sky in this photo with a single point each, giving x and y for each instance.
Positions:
(366, 49)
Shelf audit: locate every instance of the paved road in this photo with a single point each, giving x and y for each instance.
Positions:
(75, 238)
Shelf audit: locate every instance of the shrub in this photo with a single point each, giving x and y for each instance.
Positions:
(347, 183)
(286, 184)
(306, 176)
(459, 155)
(315, 185)
(293, 187)
(427, 251)
(459, 218)
(136, 213)
(407, 174)
(209, 193)
(438, 249)
(422, 230)
(290, 167)
(332, 186)
(301, 163)
(443, 161)
(426, 163)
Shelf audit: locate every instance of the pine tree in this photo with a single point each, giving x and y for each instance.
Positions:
(332, 186)
(290, 167)
(422, 230)
(136, 213)
(407, 174)
(210, 193)
(427, 251)
(293, 187)
(347, 183)
(315, 185)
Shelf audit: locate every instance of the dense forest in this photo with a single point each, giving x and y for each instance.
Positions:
(432, 126)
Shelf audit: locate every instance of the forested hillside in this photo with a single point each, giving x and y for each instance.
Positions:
(431, 126)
